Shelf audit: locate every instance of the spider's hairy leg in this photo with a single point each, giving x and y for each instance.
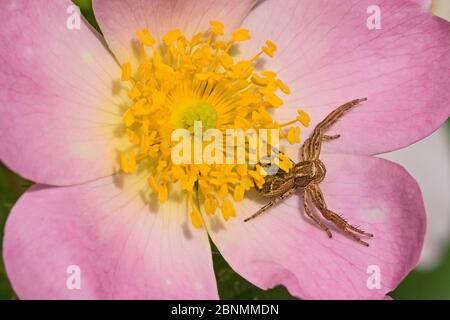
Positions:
(334, 116)
(319, 201)
(316, 190)
(305, 151)
(312, 147)
(273, 202)
(312, 216)
(330, 138)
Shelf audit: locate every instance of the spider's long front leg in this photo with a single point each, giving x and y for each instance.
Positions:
(337, 114)
(271, 204)
(319, 201)
(312, 147)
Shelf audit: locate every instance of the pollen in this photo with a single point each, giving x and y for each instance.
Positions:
(228, 210)
(180, 81)
(303, 118)
(145, 37)
(241, 35)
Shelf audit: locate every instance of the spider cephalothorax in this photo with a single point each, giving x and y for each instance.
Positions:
(306, 176)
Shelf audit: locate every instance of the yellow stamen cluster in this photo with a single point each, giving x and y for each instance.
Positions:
(180, 80)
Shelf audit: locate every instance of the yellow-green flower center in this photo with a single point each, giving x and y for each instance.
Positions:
(195, 110)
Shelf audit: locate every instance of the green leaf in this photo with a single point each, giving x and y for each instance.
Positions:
(233, 286)
(11, 188)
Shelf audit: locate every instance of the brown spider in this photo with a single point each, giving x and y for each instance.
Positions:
(307, 175)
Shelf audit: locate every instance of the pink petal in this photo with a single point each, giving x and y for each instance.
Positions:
(120, 19)
(285, 247)
(434, 180)
(328, 56)
(125, 247)
(58, 110)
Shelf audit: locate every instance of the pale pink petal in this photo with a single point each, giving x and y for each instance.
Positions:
(59, 111)
(126, 246)
(433, 177)
(285, 247)
(328, 56)
(120, 19)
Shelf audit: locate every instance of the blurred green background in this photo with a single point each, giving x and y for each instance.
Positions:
(434, 284)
